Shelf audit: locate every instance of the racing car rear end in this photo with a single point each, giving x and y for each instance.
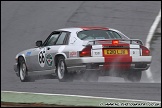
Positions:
(127, 58)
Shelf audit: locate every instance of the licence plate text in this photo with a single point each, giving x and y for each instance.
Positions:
(115, 51)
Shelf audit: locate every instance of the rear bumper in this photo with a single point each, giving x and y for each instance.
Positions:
(98, 63)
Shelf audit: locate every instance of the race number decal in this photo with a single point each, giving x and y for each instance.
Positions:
(49, 60)
(41, 57)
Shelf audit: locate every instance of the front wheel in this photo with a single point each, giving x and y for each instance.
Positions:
(61, 71)
(133, 76)
(22, 70)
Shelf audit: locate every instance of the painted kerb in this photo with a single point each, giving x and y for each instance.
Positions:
(72, 100)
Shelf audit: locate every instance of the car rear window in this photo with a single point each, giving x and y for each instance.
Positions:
(98, 34)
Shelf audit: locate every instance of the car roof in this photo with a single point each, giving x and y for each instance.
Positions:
(81, 28)
(94, 28)
(74, 29)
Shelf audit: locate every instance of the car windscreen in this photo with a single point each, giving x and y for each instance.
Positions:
(98, 34)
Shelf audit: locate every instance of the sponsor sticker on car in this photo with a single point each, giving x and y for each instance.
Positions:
(73, 54)
(28, 53)
(49, 60)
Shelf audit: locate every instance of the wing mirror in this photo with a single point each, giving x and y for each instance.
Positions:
(39, 43)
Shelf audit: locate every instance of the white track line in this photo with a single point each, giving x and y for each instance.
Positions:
(48, 94)
(148, 40)
(152, 29)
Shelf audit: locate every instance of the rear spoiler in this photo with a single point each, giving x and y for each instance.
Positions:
(131, 41)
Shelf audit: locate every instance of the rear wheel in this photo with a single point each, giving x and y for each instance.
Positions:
(23, 70)
(61, 71)
(133, 76)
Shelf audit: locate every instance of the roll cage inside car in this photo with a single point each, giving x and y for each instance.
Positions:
(100, 34)
(57, 38)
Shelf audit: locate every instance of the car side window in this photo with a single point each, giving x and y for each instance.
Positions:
(61, 38)
(53, 38)
(113, 35)
(116, 35)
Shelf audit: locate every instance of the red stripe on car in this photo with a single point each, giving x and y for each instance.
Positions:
(114, 60)
(94, 28)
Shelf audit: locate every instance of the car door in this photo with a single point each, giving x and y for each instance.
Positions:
(43, 57)
(54, 48)
(38, 55)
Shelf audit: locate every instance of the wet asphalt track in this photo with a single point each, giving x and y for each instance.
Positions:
(22, 23)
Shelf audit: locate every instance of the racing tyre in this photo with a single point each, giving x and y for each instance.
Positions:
(61, 71)
(23, 70)
(133, 76)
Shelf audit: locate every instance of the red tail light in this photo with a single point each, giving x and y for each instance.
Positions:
(86, 52)
(115, 42)
(145, 51)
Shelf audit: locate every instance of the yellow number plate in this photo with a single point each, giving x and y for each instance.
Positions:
(115, 51)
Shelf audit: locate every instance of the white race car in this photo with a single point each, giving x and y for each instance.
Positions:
(88, 52)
